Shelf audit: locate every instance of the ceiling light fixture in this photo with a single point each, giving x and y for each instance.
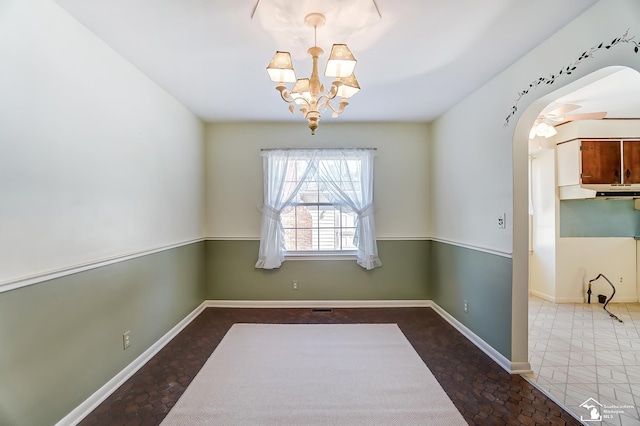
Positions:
(308, 93)
(542, 129)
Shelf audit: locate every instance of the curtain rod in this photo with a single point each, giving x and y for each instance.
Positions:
(303, 149)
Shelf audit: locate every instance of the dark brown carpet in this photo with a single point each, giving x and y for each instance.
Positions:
(483, 392)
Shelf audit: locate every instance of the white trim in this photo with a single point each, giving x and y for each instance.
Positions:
(405, 238)
(581, 300)
(476, 248)
(543, 296)
(594, 299)
(322, 255)
(501, 360)
(232, 238)
(619, 299)
(378, 238)
(318, 303)
(28, 280)
(91, 403)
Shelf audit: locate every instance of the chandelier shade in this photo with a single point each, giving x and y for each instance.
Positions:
(349, 86)
(301, 90)
(280, 68)
(341, 62)
(308, 93)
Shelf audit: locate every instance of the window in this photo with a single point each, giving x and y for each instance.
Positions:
(311, 222)
(318, 200)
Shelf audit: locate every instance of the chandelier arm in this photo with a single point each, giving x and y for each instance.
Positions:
(332, 93)
(329, 96)
(323, 102)
(302, 99)
(341, 106)
(286, 96)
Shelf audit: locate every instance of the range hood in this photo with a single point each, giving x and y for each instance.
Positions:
(604, 192)
(615, 190)
(618, 194)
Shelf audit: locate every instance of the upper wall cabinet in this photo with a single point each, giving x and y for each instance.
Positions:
(601, 161)
(631, 165)
(613, 163)
(588, 166)
(568, 155)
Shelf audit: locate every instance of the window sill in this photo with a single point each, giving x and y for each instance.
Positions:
(327, 255)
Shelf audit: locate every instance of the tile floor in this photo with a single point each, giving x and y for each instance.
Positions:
(577, 352)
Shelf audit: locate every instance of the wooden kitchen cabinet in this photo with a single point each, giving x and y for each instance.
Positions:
(586, 166)
(631, 158)
(601, 162)
(610, 162)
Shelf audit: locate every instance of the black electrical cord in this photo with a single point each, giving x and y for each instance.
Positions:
(609, 299)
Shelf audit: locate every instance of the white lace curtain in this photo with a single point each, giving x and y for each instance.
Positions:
(347, 176)
(350, 183)
(278, 192)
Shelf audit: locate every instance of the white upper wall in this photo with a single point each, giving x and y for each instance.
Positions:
(473, 150)
(234, 183)
(542, 259)
(486, 161)
(96, 160)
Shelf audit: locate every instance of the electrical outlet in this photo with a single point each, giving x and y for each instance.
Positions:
(126, 339)
(502, 220)
(466, 307)
(294, 285)
(621, 280)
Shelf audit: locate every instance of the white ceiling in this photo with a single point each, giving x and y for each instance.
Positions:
(617, 94)
(420, 59)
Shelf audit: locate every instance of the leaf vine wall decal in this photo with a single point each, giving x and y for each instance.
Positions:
(624, 38)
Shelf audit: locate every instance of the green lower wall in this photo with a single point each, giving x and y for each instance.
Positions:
(61, 340)
(231, 274)
(412, 270)
(599, 218)
(484, 280)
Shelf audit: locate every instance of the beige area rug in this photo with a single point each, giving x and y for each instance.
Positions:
(311, 374)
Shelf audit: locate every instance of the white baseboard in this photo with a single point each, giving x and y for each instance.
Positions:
(543, 296)
(501, 360)
(553, 299)
(594, 298)
(91, 403)
(571, 299)
(318, 303)
(617, 299)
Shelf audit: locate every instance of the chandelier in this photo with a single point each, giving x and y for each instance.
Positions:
(309, 93)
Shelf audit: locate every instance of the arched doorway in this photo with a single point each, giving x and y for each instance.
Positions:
(584, 91)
